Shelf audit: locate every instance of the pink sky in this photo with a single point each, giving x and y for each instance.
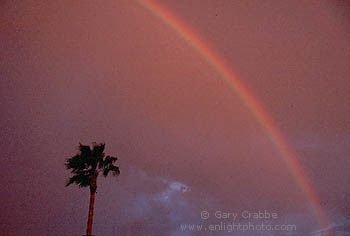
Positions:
(114, 73)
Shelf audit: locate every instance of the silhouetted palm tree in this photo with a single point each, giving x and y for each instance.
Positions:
(86, 165)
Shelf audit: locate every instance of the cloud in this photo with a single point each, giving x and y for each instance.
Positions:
(157, 207)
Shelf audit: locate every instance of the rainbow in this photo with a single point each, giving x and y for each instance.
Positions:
(202, 47)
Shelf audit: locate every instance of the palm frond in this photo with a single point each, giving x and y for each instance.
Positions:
(84, 150)
(97, 154)
(88, 162)
(111, 168)
(76, 162)
(108, 160)
(82, 180)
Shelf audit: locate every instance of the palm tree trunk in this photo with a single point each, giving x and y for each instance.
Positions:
(91, 213)
(93, 188)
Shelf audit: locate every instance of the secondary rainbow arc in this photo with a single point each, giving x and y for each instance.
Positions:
(203, 48)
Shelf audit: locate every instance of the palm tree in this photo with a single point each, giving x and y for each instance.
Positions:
(86, 165)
